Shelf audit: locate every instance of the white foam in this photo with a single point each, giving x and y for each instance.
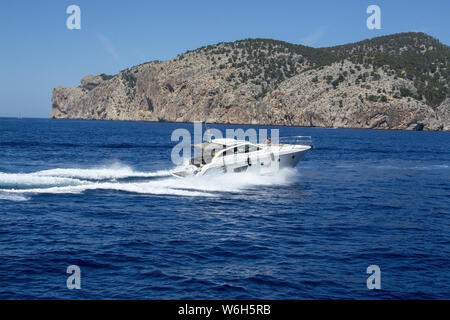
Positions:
(236, 182)
(142, 188)
(25, 180)
(59, 181)
(102, 173)
(13, 197)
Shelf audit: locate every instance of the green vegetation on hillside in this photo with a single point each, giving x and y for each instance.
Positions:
(266, 62)
(413, 56)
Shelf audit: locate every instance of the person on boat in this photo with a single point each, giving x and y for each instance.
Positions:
(268, 141)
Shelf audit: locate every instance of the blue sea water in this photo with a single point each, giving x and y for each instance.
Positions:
(98, 194)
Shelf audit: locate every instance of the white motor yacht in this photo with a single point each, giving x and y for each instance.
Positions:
(220, 156)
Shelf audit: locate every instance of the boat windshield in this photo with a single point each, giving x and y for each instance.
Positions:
(206, 152)
(240, 149)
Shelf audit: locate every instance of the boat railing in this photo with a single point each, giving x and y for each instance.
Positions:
(297, 140)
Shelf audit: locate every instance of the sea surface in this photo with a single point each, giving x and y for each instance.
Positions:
(99, 195)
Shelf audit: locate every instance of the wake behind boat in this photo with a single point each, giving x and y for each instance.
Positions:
(220, 156)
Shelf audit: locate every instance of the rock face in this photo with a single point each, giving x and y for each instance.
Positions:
(392, 82)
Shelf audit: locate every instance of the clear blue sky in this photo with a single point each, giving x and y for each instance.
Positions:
(38, 52)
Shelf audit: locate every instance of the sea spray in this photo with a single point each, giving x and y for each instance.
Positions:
(76, 180)
(101, 173)
(32, 180)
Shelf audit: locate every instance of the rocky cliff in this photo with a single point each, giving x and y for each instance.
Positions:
(400, 81)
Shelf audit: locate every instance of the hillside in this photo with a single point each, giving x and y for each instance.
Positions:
(400, 81)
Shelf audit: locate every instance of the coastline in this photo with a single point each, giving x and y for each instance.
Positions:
(243, 124)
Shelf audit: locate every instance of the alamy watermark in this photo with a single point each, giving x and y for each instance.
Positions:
(183, 149)
(74, 280)
(374, 20)
(374, 280)
(74, 20)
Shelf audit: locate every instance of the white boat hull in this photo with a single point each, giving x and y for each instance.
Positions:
(260, 163)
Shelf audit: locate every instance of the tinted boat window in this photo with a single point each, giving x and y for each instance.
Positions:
(247, 148)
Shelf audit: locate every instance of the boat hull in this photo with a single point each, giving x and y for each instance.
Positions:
(268, 163)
